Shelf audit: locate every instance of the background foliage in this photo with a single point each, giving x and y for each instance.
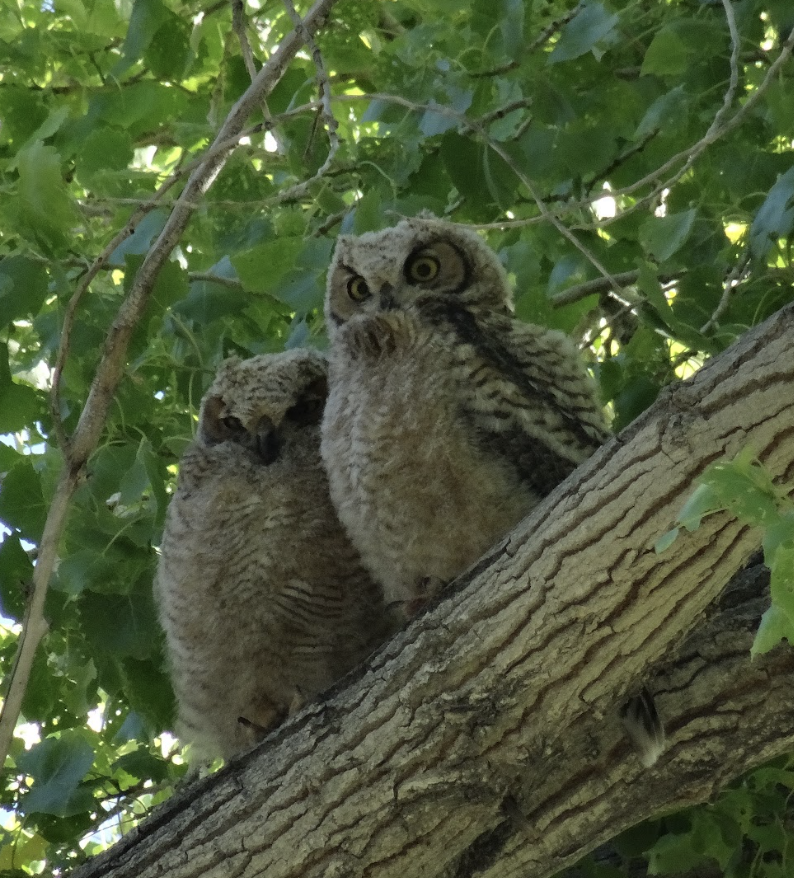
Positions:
(554, 124)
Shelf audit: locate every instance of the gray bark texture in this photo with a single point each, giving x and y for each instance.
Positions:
(484, 740)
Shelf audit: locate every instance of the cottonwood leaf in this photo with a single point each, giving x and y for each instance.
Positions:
(57, 766)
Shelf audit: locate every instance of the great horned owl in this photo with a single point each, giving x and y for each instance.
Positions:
(262, 597)
(448, 419)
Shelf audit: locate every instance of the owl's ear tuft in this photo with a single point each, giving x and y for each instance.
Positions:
(309, 407)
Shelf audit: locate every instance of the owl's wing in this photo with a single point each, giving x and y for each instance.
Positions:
(526, 393)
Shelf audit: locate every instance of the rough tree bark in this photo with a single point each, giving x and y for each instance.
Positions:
(484, 739)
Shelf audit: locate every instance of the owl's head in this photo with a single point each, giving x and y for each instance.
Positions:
(419, 257)
(263, 404)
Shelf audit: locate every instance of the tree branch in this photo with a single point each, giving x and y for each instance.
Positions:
(111, 366)
(486, 733)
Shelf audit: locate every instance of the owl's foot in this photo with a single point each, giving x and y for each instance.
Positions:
(259, 722)
(298, 701)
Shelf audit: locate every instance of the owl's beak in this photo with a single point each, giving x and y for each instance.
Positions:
(386, 298)
(267, 442)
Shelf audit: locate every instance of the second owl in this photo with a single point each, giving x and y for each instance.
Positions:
(263, 600)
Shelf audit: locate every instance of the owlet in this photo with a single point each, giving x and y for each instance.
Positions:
(262, 597)
(448, 419)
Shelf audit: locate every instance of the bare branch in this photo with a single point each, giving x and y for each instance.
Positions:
(602, 285)
(111, 366)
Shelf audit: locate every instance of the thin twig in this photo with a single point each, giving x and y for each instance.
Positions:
(111, 366)
(240, 28)
(602, 285)
(552, 29)
(728, 287)
(323, 85)
(209, 277)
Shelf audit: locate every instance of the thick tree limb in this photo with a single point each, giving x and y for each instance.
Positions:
(111, 366)
(484, 739)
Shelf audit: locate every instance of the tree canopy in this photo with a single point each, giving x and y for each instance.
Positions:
(631, 162)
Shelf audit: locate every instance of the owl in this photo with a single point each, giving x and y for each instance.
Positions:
(262, 597)
(448, 419)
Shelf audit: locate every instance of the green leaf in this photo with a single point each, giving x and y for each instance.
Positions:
(782, 581)
(141, 239)
(669, 106)
(122, 624)
(146, 19)
(20, 404)
(57, 766)
(779, 533)
(368, 214)
(105, 148)
(703, 501)
(745, 487)
(16, 573)
(667, 55)
(775, 216)
(22, 502)
(141, 765)
(775, 626)
(591, 30)
(23, 288)
(661, 236)
(672, 854)
(44, 206)
(149, 692)
(666, 540)
(262, 268)
(168, 53)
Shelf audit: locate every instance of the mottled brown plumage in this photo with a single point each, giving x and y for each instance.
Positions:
(448, 419)
(262, 597)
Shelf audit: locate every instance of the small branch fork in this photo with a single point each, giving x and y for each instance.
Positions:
(77, 450)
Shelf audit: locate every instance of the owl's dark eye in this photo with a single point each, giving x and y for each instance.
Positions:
(305, 411)
(357, 289)
(422, 268)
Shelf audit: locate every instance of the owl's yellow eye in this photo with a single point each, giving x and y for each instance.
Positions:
(422, 268)
(357, 289)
